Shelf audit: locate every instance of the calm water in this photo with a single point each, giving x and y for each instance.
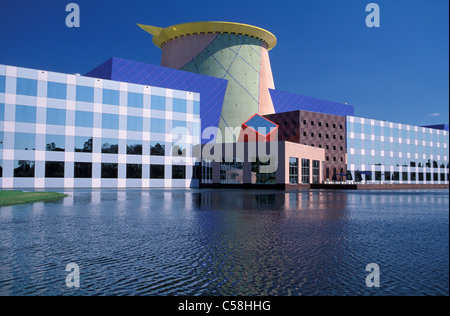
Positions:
(227, 242)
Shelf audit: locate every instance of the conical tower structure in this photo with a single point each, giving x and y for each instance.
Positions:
(236, 52)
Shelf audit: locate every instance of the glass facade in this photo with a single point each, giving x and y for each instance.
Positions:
(231, 172)
(75, 131)
(293, 170)
(380, 151)
(305, 170)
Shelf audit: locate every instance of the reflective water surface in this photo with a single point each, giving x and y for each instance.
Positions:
(227, 242)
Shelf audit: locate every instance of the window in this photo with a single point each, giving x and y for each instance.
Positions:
(315, 171)
(56, 90)
(176, 124)
(157, 125)
(54, 169)
(111, 97)
(83, 144)
(179, 150)
(304, 122)
(134, 171)
(261, 172)
(405, 176)
(135, 100)
(435, 176)
(196, 107)
(110, 146)
(312, 134)
(305, 171)
(206, 171)
(334, 125)
(387, 176)
(2, 84)
(24, 141)
(413, 176)
(293, 170)
(158, 103)
(2, 112)
(84, 119)
(320, 123)
(110, 170)
(178, 172)
(82, 170)
(85, 94)
(55, 143)
(25, 114)
(334, 136)
(396, 176)
(56, 116)
(157, 148)
(442, 176)
(179, 105)
(312, 123)
(134, 147)
(134, 123)
(428, 174)
(377, 175)
(27, 87)
(110, 121)
(156, 171)
(24, 169)
(421, 176)
(231, 172)
(304, 134)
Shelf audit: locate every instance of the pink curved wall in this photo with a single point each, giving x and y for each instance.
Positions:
(177, 53)
(265, 83)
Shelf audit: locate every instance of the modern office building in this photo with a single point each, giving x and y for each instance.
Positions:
(381, 151)
(259, 163)
(320, 130)
(59, 130)
(133, 124)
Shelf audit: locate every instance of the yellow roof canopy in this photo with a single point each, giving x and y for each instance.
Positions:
(163, 35)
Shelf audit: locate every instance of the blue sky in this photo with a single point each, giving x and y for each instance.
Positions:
(398, 72)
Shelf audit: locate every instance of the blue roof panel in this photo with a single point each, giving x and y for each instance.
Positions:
(287, 102)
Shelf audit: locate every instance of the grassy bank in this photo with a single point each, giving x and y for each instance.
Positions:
(19, 197)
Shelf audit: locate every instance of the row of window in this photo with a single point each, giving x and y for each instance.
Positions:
(327, 136)
(397, 176)
(27, 114)
(305, 171)
(312, 123)
(386, 131)
(56, 90)
(386, 145)
(24, 141)
(396, 161)
(55, 169)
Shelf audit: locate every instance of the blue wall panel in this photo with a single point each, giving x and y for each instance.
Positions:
(212, 90)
